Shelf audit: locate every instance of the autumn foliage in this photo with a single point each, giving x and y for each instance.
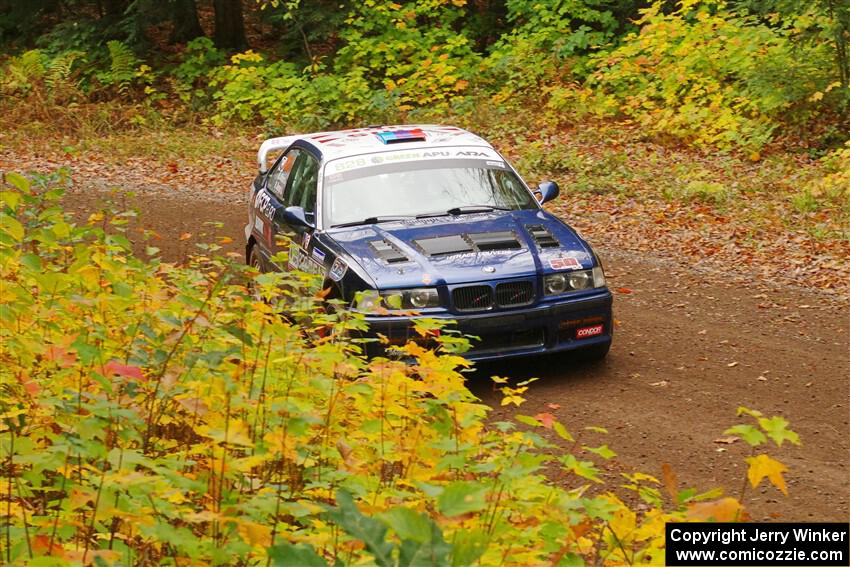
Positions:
(160, 414)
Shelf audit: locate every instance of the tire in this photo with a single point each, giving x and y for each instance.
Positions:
(254, 261)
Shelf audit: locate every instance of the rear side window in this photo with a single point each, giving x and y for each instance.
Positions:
(281, 172)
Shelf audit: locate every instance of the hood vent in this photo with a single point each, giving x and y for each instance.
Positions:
(478, 242)
(444, 245)
(541, 236)
(387, 252)
(495, 241)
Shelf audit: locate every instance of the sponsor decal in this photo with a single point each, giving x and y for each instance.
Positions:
(300, 261)
(338, 269)
(305, 240)
(318, 255)
(426, 278)
(586, 332)
(354, 163)
(263, 203)
(259, 225)
(564, 264)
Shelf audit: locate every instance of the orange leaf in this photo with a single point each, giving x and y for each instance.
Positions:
(723, 510)
(546, 419)
(186, 236)
(115, 368)
(670, 480)
(624, 290)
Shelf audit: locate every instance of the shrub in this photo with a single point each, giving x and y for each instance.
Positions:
(832, 189)
(152, 414)
(700, 190)
(710, 76)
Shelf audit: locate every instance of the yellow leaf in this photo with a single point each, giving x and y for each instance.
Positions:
(255, 534)
(763, 466)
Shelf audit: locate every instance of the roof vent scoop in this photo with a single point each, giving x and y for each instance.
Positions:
(542, 236)
(401, 136)
(387, 252)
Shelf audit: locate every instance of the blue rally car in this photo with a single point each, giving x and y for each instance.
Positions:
(430, 219)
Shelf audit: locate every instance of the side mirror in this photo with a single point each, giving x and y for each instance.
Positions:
(547, 191)
(296, 218)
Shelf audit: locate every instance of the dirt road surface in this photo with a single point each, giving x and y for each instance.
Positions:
(690, 348)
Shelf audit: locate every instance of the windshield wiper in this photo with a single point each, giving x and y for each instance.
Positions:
(373, 220)
(465, 210)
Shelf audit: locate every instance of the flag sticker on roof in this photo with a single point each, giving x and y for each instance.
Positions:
(399, 136)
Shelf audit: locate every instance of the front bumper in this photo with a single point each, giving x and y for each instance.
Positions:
(539, 329)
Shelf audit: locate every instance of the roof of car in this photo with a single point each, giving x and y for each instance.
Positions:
(357, 141)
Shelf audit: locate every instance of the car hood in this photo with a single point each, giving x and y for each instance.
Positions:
(463, 248)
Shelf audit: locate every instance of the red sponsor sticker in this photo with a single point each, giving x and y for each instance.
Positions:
(586, 332)
(564, 264)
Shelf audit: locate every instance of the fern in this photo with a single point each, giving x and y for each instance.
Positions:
(23, 72)
(60, 68)
(122, 67)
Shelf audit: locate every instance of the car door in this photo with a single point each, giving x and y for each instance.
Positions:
(300, 191)
(269, 201)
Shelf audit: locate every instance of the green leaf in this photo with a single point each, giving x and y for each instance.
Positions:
(461, 497)
(408, 524)
(603, 451)
(596, 429)
(747, 411)
(468, 546)
(19, 181)
(433, 553)
(10, 198)
(12, 227)
(368, 530)
(32, 262)
(584, 469)
(562, 432)
(776, 428)
(528, 420)
(748, 433)
(285, 554)
(571, 560)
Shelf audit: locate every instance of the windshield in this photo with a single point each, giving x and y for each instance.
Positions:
(421, 188)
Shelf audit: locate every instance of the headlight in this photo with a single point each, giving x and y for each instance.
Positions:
(580, 280)
(561, 282)
(554, 284)
(417, 298)
(368, 300)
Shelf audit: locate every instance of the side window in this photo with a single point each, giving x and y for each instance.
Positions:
(303, 182)
(282, 170)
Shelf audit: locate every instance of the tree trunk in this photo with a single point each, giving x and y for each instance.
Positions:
(229, 26)
(185, 19)
(114, 9)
